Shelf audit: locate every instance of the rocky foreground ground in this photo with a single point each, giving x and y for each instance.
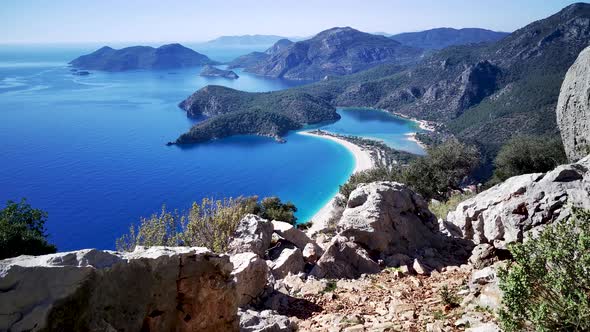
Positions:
(397, 301)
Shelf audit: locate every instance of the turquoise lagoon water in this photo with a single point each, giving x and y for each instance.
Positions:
(91, 150)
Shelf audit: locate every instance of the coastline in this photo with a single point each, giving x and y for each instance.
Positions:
(422, 124)
(363, 161)
(412, 138)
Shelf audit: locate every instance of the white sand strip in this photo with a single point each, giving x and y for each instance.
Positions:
(363, 161)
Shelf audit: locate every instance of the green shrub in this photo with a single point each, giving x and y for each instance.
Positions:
(441, 209)
(448, 297)
(547, 287)
(22, 231)
(528, 154)
(272, 208)
(208, 224)
(444, 169)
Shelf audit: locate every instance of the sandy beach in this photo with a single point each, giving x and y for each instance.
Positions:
(412, 137)
(363, 161)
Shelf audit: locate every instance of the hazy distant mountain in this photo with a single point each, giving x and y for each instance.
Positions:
(251, 60)
(444, 37)
(141, 57)
(337, 51)
(245, 40)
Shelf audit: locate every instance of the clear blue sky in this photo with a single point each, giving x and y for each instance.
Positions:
(24, 21)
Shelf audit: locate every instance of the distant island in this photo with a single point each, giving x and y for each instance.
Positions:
(244, 40)
(141, 57)
(210, 71)
(243, 113)
(334, 52)
(440, 38)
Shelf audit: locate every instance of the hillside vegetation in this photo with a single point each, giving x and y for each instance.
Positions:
(483, 94)
(233, 112)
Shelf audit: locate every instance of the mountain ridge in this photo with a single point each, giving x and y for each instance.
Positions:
(440, 38)
(333, 52)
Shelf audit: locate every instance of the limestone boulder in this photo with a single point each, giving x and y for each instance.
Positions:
(291, 234)
(251, 274)
(253, 234)
(344, 259)
(522, 205)
(311, 250)
(573, 108)
(389, 218)
(289, 260)
(151, 289)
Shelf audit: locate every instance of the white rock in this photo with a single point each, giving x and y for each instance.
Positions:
(290, 260)
(573, 108)
(390, 218)
(253, 234)
(145, 289)
(522, 205)
(250, 273)
(291, 234)
(344, 259)
(264, 321)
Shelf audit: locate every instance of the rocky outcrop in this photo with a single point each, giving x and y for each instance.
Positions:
(522, 205)
(155, 289)
(573, 108)
(388, 218)
(210, 71)
(253, 234)
(386, 223)
(250, 273)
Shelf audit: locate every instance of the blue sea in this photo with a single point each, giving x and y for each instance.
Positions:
(91, 150)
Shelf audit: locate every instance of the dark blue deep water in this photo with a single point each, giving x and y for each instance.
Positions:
(91, 150)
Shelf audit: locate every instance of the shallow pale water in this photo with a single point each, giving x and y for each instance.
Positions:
(91, 150)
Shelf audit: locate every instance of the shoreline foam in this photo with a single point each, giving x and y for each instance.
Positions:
(363, 161)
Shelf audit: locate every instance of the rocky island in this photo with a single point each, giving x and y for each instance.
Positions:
(232, 112)
(210, 71)
(141, 57)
